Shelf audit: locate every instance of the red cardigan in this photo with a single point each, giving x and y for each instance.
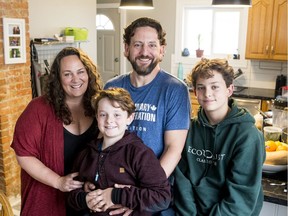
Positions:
(39, 133)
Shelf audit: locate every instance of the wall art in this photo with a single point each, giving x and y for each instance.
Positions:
(14, 40)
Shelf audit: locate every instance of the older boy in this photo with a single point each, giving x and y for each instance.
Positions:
(221, 167)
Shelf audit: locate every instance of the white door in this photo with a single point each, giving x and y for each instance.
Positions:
(108, 45)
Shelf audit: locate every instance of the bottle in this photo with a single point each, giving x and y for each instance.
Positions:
(180, 71)
(259, 121)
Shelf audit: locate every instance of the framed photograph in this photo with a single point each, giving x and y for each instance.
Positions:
(14, 40)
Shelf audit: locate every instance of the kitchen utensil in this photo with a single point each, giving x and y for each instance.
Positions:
(284, 135)
(47, 67)
(268, 122)
(272, 133)
(261, 112)
(273, 168)
(277, 184)
(258, 121)
(280, 82)
(238, 73)
(269, 114)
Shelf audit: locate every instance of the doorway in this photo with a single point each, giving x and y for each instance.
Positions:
(108, 43)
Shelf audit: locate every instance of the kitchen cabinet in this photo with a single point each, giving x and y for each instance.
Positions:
(267, 30)
(194, 104)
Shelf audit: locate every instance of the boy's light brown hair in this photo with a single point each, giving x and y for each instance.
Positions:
(115, 95)
(204, 69)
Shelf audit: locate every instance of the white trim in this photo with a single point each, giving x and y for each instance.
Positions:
(123, 16)
(188, 62)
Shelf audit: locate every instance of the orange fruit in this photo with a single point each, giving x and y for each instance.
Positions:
(270, 146)
(278, 143)
(282, 148)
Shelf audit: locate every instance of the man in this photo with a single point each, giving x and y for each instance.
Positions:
(162, 101)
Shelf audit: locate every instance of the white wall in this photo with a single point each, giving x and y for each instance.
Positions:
(257, 74)
(48, 18)
(51, 17)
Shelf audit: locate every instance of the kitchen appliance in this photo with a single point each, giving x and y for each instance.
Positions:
(281, 81)
(249, 104)
(280, 112)
(237, 74)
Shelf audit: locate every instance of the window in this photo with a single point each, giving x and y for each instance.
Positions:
(218, 31)
(103, 22)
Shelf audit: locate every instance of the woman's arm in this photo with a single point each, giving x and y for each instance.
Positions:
(37, 170)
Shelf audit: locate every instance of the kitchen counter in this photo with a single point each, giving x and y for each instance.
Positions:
(275, 193)
(255, 93)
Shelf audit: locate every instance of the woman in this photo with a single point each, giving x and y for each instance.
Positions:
(60, 123)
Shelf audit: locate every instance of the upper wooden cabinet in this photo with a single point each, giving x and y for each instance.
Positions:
(267, 30)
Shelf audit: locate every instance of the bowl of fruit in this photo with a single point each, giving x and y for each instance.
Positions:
(276, 156)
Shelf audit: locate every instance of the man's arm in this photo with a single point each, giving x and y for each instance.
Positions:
(174, 144)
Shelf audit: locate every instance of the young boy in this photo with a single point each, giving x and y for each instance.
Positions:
(221, 167)
(119, 157)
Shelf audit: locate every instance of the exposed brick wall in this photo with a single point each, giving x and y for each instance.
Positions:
(15, 93)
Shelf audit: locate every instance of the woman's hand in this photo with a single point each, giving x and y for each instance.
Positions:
(88, 187)
(67, 183)
(37, 170)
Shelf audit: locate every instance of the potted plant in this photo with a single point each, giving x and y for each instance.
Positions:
(199, 52)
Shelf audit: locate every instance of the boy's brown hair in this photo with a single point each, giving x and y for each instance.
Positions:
(204, 69)
(119, 95)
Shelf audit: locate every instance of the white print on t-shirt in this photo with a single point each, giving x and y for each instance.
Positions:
(205, 156)
(137, 128)
(145, 112)
(145, 107)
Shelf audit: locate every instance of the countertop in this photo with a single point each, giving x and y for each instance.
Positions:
(272, 193)
(255, 93)
(275, 193)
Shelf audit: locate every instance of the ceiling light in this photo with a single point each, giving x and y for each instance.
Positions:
(136, 4)
(231, 3)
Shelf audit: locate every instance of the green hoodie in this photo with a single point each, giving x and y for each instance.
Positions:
(220, 170)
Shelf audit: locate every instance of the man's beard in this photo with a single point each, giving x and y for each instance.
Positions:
(143, 71)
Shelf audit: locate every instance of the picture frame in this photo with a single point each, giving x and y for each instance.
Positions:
(14, 40)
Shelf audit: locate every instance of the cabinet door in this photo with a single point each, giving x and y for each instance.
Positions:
(279, 31)
(259, 29)
(194, 104)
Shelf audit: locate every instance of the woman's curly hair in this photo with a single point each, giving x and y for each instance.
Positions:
(55, 93)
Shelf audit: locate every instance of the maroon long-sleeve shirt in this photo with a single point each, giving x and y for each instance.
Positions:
(127, 162)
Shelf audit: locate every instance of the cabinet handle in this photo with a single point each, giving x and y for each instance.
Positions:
(272, 49)
(267, 49)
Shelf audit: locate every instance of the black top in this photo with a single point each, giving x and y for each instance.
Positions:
(73, 144)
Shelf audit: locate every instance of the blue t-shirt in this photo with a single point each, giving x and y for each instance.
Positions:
(161, 105)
